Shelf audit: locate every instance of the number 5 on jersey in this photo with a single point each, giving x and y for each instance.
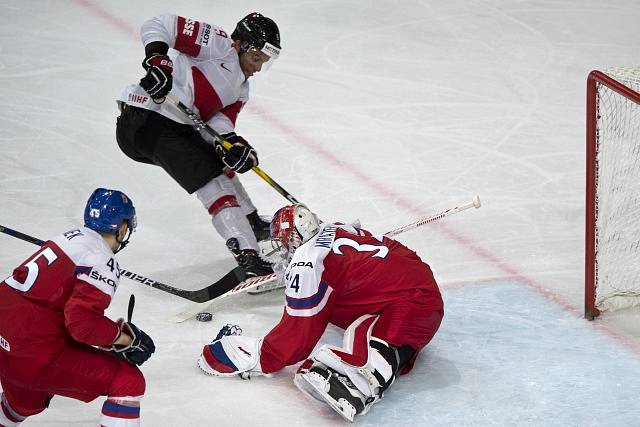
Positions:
(32, 271)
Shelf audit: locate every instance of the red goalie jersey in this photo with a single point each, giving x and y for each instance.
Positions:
(341, 274)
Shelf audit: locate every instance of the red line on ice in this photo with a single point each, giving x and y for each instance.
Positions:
(384, 190)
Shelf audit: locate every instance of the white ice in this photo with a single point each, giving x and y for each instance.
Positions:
(383, 111)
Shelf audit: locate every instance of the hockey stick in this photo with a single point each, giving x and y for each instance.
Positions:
(21, 236)
(199, 124)
(475, 203)
(248, 284)
(228, 282)
(264, 280)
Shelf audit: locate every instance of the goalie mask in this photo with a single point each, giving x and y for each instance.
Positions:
(292, 226)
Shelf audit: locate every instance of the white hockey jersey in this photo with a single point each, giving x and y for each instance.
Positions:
(206, 72)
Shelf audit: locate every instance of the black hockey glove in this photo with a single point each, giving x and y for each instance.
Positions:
(241, 157)
(141, 346)
(158, 81)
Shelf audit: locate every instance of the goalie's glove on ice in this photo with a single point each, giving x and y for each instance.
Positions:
(141, 347)
(230, 354)
(159, 80)
(241, 157)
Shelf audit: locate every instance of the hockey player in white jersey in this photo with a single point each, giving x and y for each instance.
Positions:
(208, 70)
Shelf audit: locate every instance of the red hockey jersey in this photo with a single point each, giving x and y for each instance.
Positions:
(336, 277)
(59, 294)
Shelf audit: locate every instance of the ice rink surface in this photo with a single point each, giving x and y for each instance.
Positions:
(383, 111)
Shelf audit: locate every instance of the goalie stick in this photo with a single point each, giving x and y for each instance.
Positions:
(248, 284)
(475, 203)
(194, 309)
(228, 282)
(232, 283)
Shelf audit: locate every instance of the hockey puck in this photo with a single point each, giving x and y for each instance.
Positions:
(204, 317)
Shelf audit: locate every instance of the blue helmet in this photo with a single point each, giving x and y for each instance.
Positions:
(107, 209)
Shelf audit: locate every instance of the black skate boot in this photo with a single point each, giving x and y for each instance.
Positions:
(249, 260)
(260, 227)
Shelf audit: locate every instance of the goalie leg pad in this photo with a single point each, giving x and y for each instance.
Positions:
(332, 388)
(355, 345)
(363, 359)
(350, 379)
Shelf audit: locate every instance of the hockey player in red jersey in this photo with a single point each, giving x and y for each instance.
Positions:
(54, 336)
(375, 288)
(208, 71)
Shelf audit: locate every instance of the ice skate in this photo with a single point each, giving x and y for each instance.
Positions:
(249, 260)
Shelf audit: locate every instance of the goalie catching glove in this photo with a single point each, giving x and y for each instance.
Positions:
(241, 157)
(139, 349)
(231, 354)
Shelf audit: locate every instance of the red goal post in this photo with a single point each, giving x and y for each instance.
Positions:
(612, 238)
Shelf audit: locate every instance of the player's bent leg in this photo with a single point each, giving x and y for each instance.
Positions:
(18, 402)
(246, 205)
(128, 124)
(352, 378)
(259, 224)
(122, 407)
(219, 198)
(409, 326)
(85, 373)
(9, 417)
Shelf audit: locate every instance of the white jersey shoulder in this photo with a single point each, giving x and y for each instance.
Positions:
(306, 292)
(212, 69)
(94, 260)
(168, 28)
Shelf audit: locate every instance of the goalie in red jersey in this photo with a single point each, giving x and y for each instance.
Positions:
(54, 336)
(375, 288)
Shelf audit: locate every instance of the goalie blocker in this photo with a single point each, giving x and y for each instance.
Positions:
(375, 288)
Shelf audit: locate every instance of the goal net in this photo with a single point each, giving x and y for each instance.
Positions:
(612, 269)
